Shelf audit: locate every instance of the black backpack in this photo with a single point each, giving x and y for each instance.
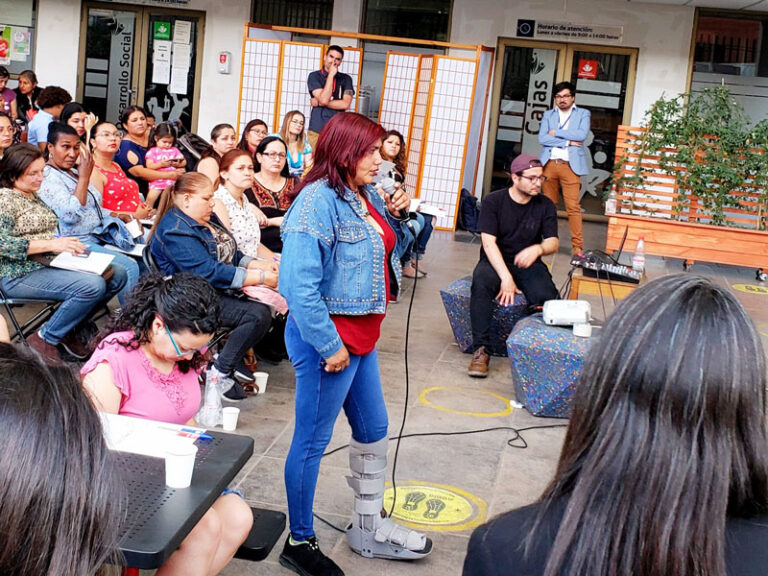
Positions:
(469, 212)
(190, 145)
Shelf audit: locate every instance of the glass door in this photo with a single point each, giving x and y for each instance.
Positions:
(604, 79)
(109, 68)
(145, 56)
(525, 74)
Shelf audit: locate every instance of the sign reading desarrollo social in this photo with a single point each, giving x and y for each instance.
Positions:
(569, 32)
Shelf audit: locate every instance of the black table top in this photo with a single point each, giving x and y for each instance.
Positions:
(159, 518)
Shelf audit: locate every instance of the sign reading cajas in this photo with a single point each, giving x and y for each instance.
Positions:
(569, 32)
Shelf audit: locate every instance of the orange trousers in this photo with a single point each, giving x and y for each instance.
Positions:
(559, 174)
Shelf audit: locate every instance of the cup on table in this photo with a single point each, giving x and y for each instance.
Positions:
(260, 379)
(230, 414)
(179, 464)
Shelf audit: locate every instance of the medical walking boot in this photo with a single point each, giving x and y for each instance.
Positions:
(372, 533)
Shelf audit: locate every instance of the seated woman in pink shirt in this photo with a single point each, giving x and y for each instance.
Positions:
(148, 368)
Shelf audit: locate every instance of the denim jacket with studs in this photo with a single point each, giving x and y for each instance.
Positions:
(333, 262)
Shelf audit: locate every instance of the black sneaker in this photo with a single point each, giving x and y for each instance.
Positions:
(306, 559)
(242, 374)
(234, 393)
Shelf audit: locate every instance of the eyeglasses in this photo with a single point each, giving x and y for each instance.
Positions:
(115, 135)
(563, 96)
(178, 350)
(274, 155)
(297, 122)
(258, 131)
(541, 179)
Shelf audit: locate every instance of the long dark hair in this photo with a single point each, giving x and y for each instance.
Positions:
(261, 149)
(185, 302)
(667, 436)
(126, 113)
(344, 141)
(243, 143)
(61, 501)
(400, 160)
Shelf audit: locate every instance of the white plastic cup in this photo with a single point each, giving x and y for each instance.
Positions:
(230, 414)
(179, 464)
(261, 381)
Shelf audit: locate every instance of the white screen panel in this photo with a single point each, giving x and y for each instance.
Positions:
(397, 99)
(299, 60)
(351, 65)
(257, 96)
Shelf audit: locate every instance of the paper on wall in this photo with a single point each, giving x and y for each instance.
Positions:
(178, 84)
(182, 55)
(161, 72)
(161, 51)
(182, 31)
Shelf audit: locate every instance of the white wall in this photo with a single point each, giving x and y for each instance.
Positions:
(219, 93)
(661, 33)
(56, 43)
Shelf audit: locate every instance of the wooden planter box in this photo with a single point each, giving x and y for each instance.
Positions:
(653, 214)
(690, 241)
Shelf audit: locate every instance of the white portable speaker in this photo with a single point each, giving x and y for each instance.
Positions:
(566, 312)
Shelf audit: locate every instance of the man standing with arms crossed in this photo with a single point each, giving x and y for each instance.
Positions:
(331, 92)
(562, 134)
(517, 226)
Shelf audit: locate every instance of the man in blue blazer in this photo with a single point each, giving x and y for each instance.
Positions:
(562, 134)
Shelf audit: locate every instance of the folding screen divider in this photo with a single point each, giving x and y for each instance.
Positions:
(437, 102)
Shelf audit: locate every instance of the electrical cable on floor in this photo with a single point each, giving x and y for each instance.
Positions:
(511, 442)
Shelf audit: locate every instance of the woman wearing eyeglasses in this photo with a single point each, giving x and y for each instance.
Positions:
(299, 149)
(119, 192)
(272, 188)
(253, 133)
(147, 367)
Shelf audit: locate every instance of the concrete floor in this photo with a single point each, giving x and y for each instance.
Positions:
(477, 475)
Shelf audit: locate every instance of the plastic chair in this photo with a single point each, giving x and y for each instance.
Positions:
(21, 331)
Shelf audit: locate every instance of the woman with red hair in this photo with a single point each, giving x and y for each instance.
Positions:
(338, 272)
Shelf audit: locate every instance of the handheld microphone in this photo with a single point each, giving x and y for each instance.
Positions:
(388, 185)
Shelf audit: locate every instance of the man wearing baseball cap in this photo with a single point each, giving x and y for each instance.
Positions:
(518, 226)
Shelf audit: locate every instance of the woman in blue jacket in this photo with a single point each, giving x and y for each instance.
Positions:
(188, 237)
(339, 271)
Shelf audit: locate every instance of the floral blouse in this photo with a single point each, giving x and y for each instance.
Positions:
(242, 220)
(22, 219)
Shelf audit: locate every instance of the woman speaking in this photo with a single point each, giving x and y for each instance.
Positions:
(338, 273)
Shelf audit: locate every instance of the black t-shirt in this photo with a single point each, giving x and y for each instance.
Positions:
(516, 226)
(497, 548)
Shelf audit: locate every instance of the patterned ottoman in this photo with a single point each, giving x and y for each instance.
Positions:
(456, 302)
(546, 362)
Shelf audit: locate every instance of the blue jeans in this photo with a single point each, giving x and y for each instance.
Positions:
(79, 292)
(320, 396)
(129, 265)
(423, 229)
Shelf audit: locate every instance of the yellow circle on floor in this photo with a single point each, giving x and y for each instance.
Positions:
(751, 288)
(423, 397)
(424, 505)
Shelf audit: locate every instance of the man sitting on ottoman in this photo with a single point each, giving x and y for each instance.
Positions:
(518, 226)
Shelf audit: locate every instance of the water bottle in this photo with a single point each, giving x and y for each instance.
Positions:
(210, 414)
(638, 260)
(611, 203)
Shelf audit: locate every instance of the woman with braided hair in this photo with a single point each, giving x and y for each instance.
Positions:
(147, 367)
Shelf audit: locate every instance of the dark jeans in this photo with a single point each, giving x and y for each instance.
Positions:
(535, 282)
(250, 321)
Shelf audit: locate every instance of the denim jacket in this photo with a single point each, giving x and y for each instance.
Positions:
(181, 244)
(333, 262)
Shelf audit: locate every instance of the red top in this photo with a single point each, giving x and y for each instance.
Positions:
(121, 194)
(360, 333)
